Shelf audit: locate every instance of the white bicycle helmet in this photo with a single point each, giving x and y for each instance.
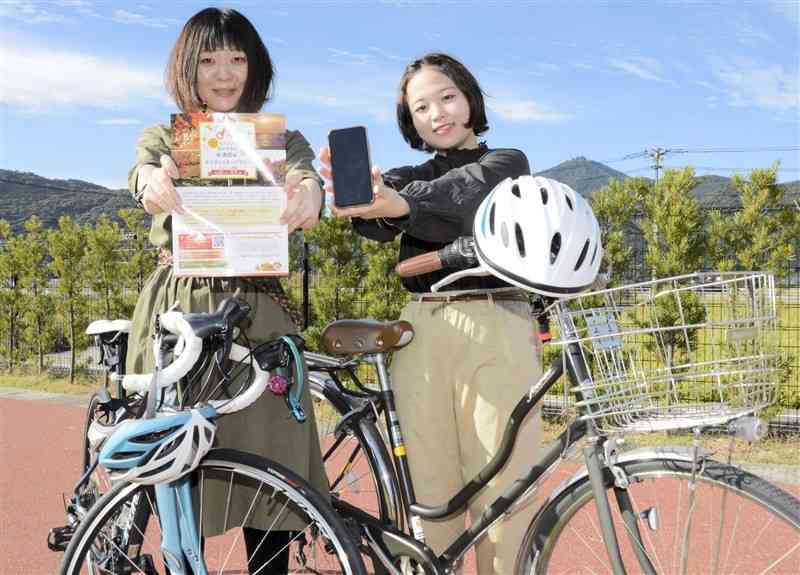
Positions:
(540, 235)
(159, 450)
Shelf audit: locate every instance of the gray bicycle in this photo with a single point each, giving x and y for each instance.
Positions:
(688, 352)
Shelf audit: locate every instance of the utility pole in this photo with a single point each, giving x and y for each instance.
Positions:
(657, 155)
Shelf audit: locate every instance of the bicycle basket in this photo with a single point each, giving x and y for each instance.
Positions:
(682, 352)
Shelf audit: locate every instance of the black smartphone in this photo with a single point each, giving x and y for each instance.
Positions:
(351, 166)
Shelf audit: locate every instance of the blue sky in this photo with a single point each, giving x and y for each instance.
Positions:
(80, 79)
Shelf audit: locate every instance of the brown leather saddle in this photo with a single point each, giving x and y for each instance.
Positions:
(356, 336)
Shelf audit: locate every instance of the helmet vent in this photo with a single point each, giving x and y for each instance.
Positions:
(491, 219)
(582, 256)
(543, 191)
(520, 240)
(156, 471)
(555, 247)
(569, 202)
(515, 190)
(594, 254)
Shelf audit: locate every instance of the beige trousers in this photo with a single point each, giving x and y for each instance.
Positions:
(455, 386)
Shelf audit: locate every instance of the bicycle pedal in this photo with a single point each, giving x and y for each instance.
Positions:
(58, 538)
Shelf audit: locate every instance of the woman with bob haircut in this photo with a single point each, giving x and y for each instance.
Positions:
(453, 412)
(220, 64)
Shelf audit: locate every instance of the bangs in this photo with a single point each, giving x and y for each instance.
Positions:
(221, 35)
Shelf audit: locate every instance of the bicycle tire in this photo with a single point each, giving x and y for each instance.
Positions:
(358, 465)
(566, 533)
(95, 549)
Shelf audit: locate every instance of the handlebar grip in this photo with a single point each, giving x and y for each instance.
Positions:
(421, 264)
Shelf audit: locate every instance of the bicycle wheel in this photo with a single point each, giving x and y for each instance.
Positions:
(357, 462)
(114, 538)
(734, 523)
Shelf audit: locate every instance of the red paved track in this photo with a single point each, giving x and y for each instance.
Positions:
(39, 460)
(39, 451)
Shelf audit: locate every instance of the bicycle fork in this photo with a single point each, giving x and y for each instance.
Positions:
(598, 454)
(180, 538)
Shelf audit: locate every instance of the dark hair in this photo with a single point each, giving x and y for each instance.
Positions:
(216, 29)
(464, 81)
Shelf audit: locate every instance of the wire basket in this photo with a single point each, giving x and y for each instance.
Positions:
(682, 352)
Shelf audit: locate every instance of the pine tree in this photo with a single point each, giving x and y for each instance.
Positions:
(140, 258)
(763, 235)
(103, 266)
(382, 288)
(67, 251)
(39, 334)
(673, 226)
(616, 206)
(12, 301)
(338, 262)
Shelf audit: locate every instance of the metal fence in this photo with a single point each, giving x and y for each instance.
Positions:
(58, 360)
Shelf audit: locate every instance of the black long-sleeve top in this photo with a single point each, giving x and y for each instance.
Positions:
(443, 195)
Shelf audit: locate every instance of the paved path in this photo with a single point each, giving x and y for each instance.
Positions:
(40, 449)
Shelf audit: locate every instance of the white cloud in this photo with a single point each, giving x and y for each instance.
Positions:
(644, 68)
(118, 122)
(388, 55)
(524, 111)
(748, 34)
(347, 57)
(353, 89)
(126, 17)
(29, 12)
(749, 84)
(789, 9)
(44, 79)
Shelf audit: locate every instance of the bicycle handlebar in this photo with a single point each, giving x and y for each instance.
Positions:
(187, 352)
(460, 254)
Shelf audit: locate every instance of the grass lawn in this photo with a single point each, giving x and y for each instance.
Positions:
(774, 451)
(50, 384)
(780, 450)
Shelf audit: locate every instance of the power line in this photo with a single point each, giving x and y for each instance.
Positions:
(686, 150)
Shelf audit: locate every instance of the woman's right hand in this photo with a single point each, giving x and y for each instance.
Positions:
(159, 190)
(386, 202)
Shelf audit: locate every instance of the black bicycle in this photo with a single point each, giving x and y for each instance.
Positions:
(688, 352)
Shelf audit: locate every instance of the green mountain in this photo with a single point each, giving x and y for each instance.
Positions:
(582, 175)
(586, 176)
(23, 194)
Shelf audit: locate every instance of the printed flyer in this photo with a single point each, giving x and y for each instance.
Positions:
(232, 172)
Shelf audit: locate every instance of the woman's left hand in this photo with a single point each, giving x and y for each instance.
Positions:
(304, 200)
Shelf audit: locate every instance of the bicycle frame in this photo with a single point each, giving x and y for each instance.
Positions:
(385, 539)
(180, 538)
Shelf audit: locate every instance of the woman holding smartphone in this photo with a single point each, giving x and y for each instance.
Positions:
(453, 412)
(220, 64)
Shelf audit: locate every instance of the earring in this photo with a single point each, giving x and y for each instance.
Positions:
(204, 107)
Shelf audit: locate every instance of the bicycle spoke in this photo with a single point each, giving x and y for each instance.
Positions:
(780, 559)
(244, 522)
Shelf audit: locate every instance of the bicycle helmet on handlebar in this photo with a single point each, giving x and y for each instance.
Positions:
(540, 235)
(159, 450)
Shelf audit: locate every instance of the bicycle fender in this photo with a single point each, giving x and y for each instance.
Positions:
(639, 454)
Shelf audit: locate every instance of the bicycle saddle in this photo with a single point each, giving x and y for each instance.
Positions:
(351, 336)
(107, 326)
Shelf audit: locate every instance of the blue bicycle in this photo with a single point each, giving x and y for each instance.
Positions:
(156, 517)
